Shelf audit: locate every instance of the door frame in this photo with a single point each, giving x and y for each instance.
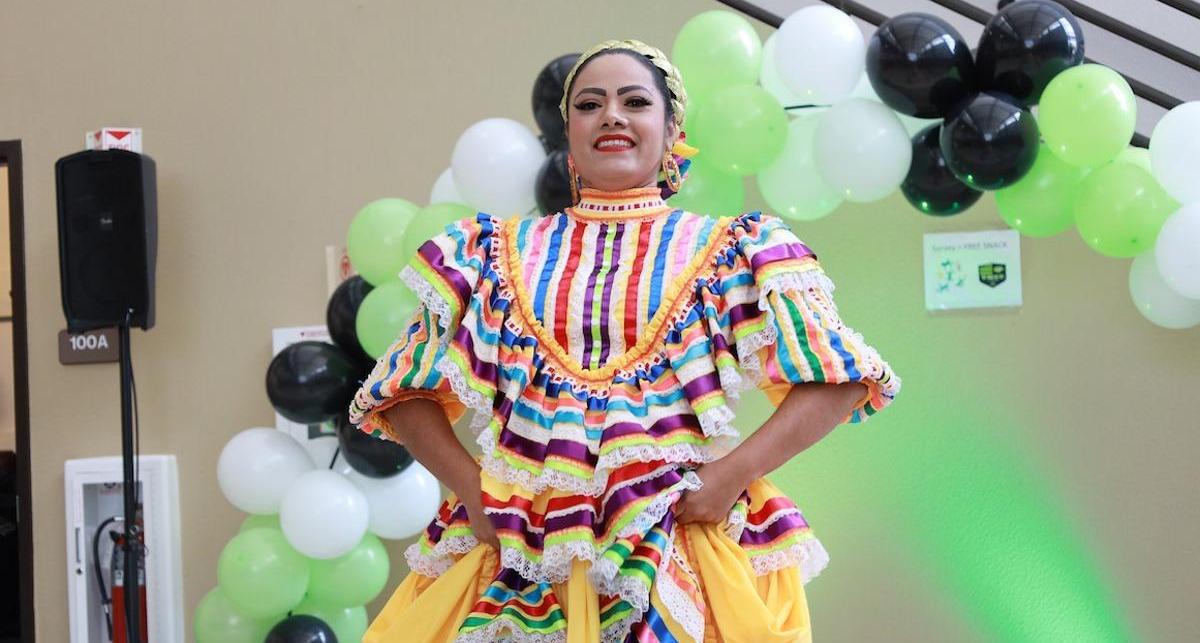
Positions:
(10, 155)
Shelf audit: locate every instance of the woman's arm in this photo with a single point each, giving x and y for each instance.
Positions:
(424, 430)
(807, 414)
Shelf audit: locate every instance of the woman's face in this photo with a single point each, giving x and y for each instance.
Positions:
(617, 127)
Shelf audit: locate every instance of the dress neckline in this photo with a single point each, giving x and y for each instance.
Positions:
(620, 205)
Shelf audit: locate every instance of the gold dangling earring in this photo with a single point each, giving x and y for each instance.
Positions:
(671, 173)
(574, 179)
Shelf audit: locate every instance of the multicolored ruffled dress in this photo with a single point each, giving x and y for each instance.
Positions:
(602, 351)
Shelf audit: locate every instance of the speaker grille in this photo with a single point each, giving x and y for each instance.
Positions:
(106, 237)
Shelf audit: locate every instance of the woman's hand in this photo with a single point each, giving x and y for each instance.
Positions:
(481, 526)
(723, 483)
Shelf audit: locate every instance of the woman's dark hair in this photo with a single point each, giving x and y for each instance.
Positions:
(660, 77)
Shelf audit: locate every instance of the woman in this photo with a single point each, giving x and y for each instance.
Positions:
(602, 350)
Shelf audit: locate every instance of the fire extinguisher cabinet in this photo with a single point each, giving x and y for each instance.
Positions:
(94, 511)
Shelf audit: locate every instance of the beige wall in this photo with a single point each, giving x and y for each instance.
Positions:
(271, 123)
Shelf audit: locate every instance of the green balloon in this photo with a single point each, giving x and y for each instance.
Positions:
(716, 49)
(217, 621)
(382, 316)
(1139, 156)
(1120, 209)
(261, 573)
(694, 107)
(375, 239)
(1042, 203)
(353, 579)
(709, 191)
(743, 129)
(431, 221)
(793, 186)
(1087, 115)
(347, 623)
(270, 521)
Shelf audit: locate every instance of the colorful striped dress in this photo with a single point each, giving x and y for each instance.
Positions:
(602, 351)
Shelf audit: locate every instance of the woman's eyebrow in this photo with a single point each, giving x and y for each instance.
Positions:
(629, 88)
(592, 90)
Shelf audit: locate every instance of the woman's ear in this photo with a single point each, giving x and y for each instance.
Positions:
(672, 134)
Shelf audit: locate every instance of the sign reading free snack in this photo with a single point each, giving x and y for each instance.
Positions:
(972, 270)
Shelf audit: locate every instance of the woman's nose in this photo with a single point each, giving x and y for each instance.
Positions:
(612, 117)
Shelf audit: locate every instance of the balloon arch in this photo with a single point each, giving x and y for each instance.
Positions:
(911, 108)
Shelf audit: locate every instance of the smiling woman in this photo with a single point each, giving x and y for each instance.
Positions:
(602, 350)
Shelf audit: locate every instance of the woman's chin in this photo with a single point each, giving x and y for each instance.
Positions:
(618, 180)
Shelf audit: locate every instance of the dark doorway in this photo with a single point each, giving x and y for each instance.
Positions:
(16, 518)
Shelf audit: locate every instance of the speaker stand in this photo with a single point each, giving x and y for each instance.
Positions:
(132, 546)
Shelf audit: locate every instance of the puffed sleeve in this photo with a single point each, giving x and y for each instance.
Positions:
(444, 273)
(784, 323)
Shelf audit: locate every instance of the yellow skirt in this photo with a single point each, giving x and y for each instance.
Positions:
(738, 605)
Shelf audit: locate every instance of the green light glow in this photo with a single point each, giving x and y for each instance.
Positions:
(947, 486)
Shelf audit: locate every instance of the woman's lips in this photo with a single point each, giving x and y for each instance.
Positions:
(614, 144)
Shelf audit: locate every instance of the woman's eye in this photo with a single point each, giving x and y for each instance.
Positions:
(588, 106)
(637, 101)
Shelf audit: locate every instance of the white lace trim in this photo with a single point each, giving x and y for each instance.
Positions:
(717, 424)
(555, 566)
(736, 523)
(472, 399)
(429, 296)
(771, 520)
(680, 605)
(596, 486)
(653, 513)
(495, 631)
(810, 556)
(440, 558)
(749, 346)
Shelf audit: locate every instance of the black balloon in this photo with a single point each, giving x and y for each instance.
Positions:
(991, 142)
(547, 95)
(340, 314)
(301, 628)
(373, 457)
(311, 382)
(553, 187)
(1025, 45)
(930, 185)
(919, 65)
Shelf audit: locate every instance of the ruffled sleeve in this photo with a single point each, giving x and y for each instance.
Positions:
(444, 273)
(784, 322)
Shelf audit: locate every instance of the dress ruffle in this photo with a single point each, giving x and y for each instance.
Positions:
(586, 464)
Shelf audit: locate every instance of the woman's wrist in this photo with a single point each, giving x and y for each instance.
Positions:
(734, 469)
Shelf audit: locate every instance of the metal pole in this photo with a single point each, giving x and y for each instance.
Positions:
(132, 546)
(1190, 8)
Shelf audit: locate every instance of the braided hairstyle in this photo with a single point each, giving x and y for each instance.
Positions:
(666, 77)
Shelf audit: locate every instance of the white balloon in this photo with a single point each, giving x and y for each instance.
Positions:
(1177, 250)
(1155, 300)
(768, 77)
(820, 54)
(861, 149)
(444, 190)
(258, 466)
(1175, 152)
(495, 166)
(792, 186)
(911, 124)
(401, 505)
(323, 515)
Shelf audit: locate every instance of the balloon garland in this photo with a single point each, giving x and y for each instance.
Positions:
(967, 125)
(911, 108)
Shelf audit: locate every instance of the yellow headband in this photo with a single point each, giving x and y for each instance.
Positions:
(654, 55)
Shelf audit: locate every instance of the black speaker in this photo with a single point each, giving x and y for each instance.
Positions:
(107, 238)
